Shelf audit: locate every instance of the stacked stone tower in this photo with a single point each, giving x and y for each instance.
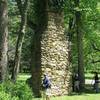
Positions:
(51, 56)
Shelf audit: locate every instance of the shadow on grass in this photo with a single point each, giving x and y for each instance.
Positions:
(85, 93)
(88, 90)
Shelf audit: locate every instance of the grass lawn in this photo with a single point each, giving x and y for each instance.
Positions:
(23, 77)
(76, 97)
(89, 94)
(90, 75)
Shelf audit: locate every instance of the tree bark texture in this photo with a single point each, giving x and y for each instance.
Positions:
(79, 32)
(3, 39)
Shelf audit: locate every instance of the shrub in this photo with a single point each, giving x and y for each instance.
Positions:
(6, 96)
(17, 91)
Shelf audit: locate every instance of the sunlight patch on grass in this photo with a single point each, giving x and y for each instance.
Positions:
(75, 97)
(23, 77)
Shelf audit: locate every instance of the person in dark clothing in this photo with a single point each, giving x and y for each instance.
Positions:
(76, 83)
(46, 82)
(96, 82)
(46, 87)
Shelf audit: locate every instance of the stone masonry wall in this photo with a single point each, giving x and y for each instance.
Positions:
(54, 55)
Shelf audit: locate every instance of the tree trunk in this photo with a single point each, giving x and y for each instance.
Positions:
(80, 46)
(23, 12)
(50, 54)
(3, 39)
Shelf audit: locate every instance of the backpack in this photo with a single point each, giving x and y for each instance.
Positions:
(46, 83)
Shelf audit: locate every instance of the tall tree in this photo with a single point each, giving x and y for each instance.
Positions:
(3, 39)
(23, 8)
(78, 16)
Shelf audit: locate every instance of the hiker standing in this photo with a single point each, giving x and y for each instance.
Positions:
(96, 82)
(46, 87)
(76, 83)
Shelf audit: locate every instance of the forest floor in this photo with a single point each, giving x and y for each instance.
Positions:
(88, 94)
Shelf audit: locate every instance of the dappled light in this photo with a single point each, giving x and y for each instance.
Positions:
(49, 49)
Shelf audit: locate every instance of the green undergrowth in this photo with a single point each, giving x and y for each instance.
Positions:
(17, 91)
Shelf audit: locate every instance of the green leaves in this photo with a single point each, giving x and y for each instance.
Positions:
(56, 4)
(18, 91)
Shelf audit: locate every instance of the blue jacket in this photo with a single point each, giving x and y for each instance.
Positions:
(46, 83)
